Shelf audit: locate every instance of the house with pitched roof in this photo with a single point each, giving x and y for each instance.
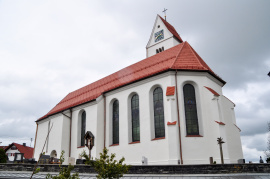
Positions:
(167, 109)
(14, 148)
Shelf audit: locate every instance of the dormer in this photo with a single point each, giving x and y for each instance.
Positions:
(163, 37)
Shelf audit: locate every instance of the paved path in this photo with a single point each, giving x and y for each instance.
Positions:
(24, 175)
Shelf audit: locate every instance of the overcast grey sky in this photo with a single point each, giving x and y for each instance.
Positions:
(50, 48)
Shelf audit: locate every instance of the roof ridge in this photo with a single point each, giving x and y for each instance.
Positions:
(178, 54)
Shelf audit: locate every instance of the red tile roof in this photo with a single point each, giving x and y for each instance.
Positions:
(171, 29)
(3, 147)
(213, 91)
(27, 151)
(170, 90)
(179, 57)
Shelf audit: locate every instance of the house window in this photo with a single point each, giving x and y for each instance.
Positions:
(158, 113)
(83, 124)
(13, 147)
(190, 110)
(115, 122)
(135, 115)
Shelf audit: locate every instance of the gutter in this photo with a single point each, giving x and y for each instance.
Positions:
(104, 121)
(178, 118)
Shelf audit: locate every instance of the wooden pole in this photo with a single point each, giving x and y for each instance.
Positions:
(220, 142)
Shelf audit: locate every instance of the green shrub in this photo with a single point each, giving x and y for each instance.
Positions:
(106, 166)
(3, 156)
(64, 172)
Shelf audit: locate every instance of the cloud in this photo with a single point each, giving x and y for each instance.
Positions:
(254, 147)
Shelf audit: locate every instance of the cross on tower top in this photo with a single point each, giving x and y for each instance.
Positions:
(165, 13)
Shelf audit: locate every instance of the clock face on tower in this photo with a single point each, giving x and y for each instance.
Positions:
(159, 35)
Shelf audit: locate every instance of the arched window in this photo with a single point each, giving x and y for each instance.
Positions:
(83, 124)
(135, 115)
(158, 113)
(190, 110)
(116, 122)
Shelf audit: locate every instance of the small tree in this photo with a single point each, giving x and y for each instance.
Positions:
(3, 156)
(64, 172)
(106, 166)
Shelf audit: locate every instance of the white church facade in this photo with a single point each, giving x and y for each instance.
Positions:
(166, 109)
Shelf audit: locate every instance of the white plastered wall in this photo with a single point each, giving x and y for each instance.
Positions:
(93, 120)
(197, 150)
(232, 132)
(10, 151)
(156, 151)
(55, 139)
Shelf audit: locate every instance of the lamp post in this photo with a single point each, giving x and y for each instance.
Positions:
(220, 142)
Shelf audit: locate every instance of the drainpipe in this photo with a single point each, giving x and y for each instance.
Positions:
(178, 117)
(70, 127)
(104, 121)
(35, 140)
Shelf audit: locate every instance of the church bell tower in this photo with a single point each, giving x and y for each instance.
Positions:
(163, 37)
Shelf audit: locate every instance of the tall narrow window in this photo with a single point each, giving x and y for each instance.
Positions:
(83, 118)
(158, 113)
(135, 115)
(116, 122)
(191, 110)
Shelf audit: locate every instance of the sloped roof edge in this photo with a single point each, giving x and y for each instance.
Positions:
(171, 29)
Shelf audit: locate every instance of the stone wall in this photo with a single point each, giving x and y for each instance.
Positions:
(166, 169)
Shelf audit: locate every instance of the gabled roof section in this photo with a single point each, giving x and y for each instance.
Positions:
(27, 151)
(189, 59)
(179, 57)
(171, 29)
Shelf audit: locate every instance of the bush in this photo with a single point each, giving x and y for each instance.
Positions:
(64, 172)
(3, 156)
(106, 166)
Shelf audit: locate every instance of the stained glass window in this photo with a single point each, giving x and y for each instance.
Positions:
(158, 113)
(191, 110)
(83, 118)
(135, 114)
(116, 122)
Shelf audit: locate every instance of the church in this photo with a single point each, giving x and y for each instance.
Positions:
(167, 109)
